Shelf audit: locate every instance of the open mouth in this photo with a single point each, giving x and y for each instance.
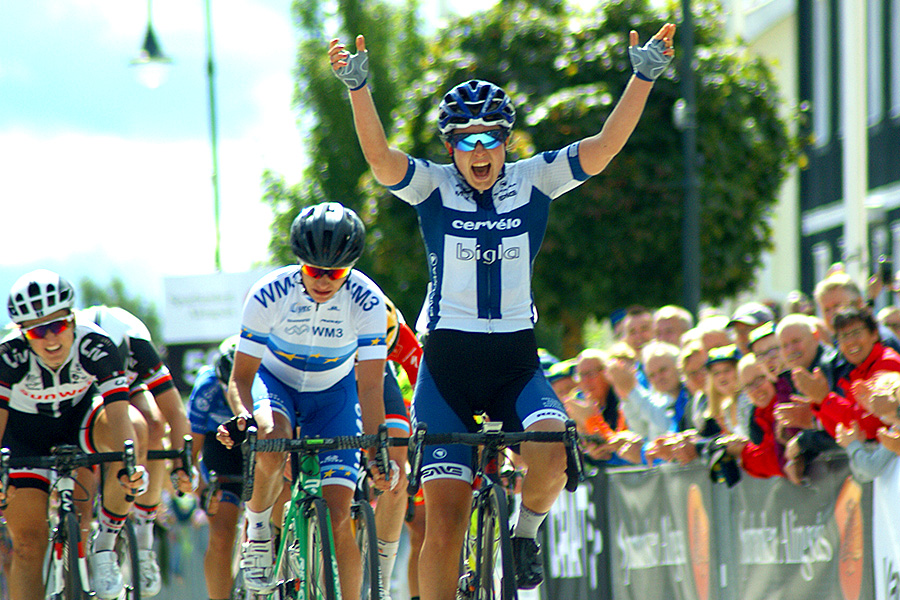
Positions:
(481, 170)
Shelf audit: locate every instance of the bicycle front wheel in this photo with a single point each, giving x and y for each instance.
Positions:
(69, 536)
(127, 551)
(367, 540)
(321, 573)
(490, 573)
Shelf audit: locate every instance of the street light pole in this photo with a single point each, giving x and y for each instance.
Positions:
(690, 244)
(213, 132)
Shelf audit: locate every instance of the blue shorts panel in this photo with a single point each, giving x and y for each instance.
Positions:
(328, 413)
(537, 401)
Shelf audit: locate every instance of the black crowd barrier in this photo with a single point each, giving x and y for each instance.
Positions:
(635, 533)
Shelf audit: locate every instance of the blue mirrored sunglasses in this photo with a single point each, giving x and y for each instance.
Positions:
(466, 142)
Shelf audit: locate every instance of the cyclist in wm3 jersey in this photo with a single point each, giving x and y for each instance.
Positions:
(62, 383)
(302, 327)
(482, 221)
(151, 390)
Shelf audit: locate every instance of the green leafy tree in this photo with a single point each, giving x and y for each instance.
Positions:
(615, 240)
(336, 161)
(116, 294)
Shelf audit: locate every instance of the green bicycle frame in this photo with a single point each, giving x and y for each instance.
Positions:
(305, 565)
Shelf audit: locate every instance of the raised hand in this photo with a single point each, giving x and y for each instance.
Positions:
(352, 69)
(813, 385)
(843, 434)
(798, 413)
(650, 60)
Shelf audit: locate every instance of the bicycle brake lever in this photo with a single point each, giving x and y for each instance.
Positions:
(574, 458)
(130, 465)
(248, 449)
(415, 449)
(4, 475)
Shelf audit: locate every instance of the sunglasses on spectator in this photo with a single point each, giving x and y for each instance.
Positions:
(56, 327)
(466, 142)
(319, 272)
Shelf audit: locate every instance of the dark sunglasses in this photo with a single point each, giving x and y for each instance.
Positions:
(319, 272)
(466, 142)
(56, 327)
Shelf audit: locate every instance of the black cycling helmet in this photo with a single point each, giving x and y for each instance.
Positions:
(38, 294)
(328, 235)
(475, 102)
(225, 361)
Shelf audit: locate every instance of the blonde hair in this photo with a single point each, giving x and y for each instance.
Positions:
(689, 350)
(717, 402)
(623, 351)
(836, 281)
(657, 348)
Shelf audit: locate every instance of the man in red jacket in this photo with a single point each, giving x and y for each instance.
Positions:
(856, 334)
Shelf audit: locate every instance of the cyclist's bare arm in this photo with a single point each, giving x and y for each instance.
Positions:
(239, 397)
(598, 150)
(370, 382)
(120, 429)
(172, 408)
(388, 164)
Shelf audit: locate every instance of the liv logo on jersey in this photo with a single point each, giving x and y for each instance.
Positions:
(487, 256)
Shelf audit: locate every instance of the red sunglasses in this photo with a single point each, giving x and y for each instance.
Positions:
(319, 272)
(56, 327)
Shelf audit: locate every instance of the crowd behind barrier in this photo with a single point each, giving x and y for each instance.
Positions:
(670, 532)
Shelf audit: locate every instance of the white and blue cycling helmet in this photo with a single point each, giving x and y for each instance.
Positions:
(475, 102)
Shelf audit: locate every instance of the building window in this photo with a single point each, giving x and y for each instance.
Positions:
(821, 254)
(821, 72)
(895, 241)
(875, 60)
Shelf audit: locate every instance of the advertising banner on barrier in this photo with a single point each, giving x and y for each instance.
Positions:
(886, 533)
(576, 553)
(662, 541)
(810, 540)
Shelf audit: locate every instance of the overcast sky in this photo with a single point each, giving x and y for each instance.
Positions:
(101, 176)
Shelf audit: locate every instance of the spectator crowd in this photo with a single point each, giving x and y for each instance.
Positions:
(760, 392)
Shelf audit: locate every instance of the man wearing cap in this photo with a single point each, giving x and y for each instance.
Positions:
(561, 377)
(763, 343)
(746, 318)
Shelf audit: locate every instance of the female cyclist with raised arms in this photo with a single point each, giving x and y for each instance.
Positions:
(303, 328)
(482, 221)
(62, 383)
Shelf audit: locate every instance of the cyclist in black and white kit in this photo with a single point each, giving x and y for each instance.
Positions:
(482, 221)
(151, 390)
(62, 383)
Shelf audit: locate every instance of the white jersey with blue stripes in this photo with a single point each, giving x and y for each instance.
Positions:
(310, 346)
(481, 246)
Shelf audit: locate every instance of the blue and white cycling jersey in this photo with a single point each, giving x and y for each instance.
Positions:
(207, 407)
(479, 258)
(310, 346)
